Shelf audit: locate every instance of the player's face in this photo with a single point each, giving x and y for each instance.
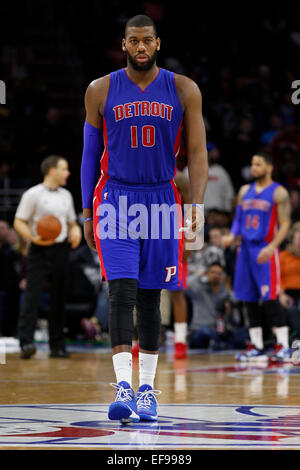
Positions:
(260, 168)
(61, 173)
(141, 47)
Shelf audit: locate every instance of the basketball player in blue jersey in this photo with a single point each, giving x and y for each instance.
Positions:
(262, 219)
(133, 124)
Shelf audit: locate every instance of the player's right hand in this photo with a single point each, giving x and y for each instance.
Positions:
(89, 237)
(227, 240)
(39, 241)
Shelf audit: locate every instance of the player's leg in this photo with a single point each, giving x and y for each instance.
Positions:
(180, 314)
(148, 328)
(119, 259)
(160, 268)
(255, 319)
(278, 320)
(29, 307)
(267, 276)
(245, 289)
(122, 298)
(58, 261)
(179, 305)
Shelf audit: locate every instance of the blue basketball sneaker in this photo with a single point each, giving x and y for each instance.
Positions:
(252, 355)
(124, 407)
(146, 403)
(282, 354)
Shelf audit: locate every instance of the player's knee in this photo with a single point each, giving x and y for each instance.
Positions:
(122, 291)
(122, 298)
(275, 312)
(177, 295)
(148, 300)
(254, 313)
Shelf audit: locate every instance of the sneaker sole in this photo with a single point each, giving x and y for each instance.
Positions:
(254, 359)
(286, 360)
(146, 417)
(123, 413)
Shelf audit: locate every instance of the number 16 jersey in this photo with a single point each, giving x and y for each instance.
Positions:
(142, 129)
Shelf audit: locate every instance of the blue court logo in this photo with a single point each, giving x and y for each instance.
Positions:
(179, 427)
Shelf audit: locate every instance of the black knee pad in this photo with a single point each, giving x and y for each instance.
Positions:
(275, 312)
(148, 318)
(122, 298)
(254, 312)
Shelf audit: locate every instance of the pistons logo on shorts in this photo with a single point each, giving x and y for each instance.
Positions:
(264, 290)
(171, 271)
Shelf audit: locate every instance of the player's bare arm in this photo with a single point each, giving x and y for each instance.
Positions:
(195, 138)
(242, 191)
(95, 99)
(183, 185)
(282, 201)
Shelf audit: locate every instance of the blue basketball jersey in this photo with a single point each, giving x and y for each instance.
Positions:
(142, 129)
(259, 214)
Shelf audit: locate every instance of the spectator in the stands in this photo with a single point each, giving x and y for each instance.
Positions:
(219, 192)
(216, 320)
(290, 279)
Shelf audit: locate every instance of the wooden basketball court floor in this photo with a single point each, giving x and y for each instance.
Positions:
(208, 401)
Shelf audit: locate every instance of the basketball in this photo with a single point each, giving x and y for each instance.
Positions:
(48, 227)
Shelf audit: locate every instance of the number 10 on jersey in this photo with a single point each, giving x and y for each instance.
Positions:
(146, 137)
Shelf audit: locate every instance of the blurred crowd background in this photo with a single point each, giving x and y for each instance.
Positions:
(244, 59)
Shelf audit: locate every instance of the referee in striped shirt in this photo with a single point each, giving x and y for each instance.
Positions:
(47, 259)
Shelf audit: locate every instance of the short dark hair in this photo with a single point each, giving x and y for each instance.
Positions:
(139, 21)
(50, 162)
(266, 156)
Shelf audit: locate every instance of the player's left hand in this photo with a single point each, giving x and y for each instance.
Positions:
(75, 236)
(265, 254)
(195, 219)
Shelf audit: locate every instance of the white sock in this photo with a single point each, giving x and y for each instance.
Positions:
(180, 332)
(123, 367)
(147, 368)
(256, 337)
(282, 336)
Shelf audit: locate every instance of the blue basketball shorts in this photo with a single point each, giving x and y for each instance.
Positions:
(136, 229)
(254, 281)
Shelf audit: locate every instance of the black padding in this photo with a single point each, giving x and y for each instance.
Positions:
(148, 318)
(275, 313)
(122, 299)
(254, 312)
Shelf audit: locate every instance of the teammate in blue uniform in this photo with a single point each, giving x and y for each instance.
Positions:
(134, 118)
(262, 220)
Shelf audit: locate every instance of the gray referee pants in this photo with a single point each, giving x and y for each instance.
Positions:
(45, 264)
